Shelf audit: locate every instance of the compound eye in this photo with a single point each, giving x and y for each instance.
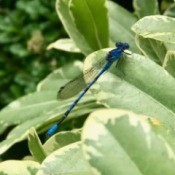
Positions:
(118, 44)
(126, 46)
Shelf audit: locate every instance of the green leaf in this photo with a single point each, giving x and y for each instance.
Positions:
(145, 8)
(27, 108)
(19, 50)
(68, 160)
(30, 8)
(170, 11)
(61, 139)
(35, 146)
(156, 27)
(137, 84)
(6, 38)
(120, 30)
(92, 23)
(64, 44)
(62, 8)
(12, 167)
(153, 49)
(125, 143)
(169, 63)
(43, 121)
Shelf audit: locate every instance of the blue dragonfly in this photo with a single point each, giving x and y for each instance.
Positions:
(91, 75)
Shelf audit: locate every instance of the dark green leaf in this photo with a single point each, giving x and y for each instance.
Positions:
(169, 63)
(92, 23)
(120, 22)
(145, 8)
(35, 146)
(153, 49)
(62, 7)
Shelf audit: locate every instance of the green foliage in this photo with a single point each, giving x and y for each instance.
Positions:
(35, 146)
(170, 11)
(112, 140)
(143, 8)
(126, 137)
(96, 35)
(151, 27)
(26, 28)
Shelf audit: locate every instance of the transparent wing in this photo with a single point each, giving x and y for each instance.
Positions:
(79, 83)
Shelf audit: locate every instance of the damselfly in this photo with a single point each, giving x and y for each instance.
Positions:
(92, 74)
